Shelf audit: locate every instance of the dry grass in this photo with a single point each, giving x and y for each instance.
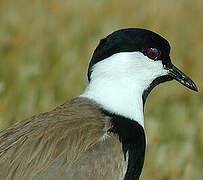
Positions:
(45, 47)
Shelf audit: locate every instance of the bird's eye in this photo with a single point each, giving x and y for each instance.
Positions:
(153, 53)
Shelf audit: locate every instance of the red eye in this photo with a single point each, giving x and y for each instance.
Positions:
(152, 53)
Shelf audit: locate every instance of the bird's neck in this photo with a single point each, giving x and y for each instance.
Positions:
(119, 97)
(122, 101)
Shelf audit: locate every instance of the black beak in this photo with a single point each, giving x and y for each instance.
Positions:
(178, 75)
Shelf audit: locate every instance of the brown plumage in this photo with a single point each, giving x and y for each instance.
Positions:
(65, 143)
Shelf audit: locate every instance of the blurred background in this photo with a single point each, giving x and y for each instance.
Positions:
(45, 48)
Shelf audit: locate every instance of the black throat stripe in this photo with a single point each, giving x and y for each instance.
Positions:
(132, 136)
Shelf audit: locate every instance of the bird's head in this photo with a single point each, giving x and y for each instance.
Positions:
(136, 54)
(129, 63)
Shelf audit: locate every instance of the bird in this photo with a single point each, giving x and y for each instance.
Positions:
(99, 134)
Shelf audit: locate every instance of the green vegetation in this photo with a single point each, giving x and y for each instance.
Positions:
(45, 47)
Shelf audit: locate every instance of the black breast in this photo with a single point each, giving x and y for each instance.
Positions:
(132, 136)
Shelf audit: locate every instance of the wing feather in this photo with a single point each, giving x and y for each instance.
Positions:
(32, 145)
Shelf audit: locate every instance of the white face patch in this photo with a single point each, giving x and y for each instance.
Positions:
(117, 83)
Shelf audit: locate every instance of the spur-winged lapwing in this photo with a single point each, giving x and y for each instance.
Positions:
(100, 134)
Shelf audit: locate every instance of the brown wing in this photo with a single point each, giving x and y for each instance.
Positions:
(32, 145)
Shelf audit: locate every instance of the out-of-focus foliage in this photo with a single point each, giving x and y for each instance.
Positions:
(45, 47)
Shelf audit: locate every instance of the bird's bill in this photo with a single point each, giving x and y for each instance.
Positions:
(178, 75)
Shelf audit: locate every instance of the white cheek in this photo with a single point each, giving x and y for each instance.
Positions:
(144, 68)
(128, 67)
